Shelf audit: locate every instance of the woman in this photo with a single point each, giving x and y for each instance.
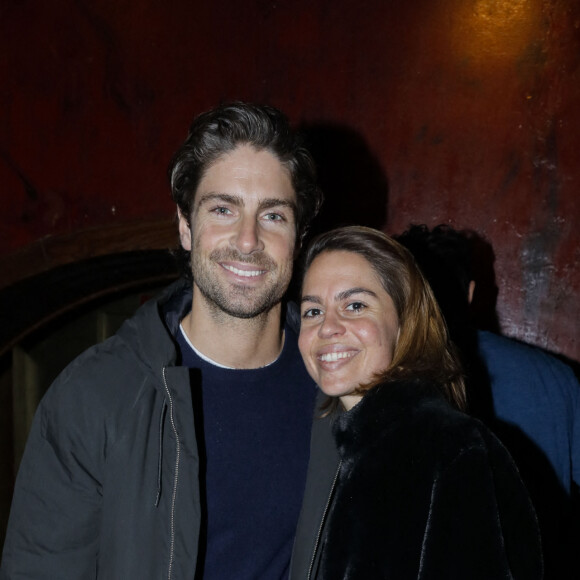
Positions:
(421, 491)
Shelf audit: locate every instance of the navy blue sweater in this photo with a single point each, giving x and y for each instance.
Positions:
(253, 433)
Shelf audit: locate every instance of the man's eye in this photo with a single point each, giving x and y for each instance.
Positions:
(311, 313)
(273, 217)
(221, 210)
(356, 306)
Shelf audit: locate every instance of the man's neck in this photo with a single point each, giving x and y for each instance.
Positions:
(234, 342)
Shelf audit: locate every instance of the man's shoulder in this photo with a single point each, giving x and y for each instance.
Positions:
(104, 377)
(114, 372)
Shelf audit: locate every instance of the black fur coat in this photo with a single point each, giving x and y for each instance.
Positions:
(424, 492)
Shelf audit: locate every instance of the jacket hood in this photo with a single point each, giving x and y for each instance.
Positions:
(151, 332)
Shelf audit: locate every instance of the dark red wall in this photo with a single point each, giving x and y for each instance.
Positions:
(468, 109)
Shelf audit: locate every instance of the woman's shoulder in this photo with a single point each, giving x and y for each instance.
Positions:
(439, 424)
(416, 414)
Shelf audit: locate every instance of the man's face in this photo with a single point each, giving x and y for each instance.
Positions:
(243, 233)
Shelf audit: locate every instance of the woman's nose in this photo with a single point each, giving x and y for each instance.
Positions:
(331, 325)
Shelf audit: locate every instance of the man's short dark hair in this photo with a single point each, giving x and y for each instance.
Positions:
(219, 131)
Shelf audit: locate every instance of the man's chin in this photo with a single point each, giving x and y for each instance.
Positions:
(242, 305)
(238, 300)
(247, 311)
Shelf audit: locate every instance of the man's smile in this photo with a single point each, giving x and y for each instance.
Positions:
(243, 273)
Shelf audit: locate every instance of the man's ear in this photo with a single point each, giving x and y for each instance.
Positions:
(184, 231)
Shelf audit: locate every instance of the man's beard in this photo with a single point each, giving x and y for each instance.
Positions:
(239, 300)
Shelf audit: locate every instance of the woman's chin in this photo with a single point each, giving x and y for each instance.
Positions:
(346, 393)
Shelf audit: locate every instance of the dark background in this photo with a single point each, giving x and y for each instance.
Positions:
(458, 111)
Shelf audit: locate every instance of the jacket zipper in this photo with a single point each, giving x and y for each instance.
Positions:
(176, 477)
(324, 514)
(160, 454)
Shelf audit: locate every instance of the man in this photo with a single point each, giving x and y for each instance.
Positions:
(529, 398)
(178, 448)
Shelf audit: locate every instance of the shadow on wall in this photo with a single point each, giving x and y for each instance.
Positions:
(483, 307)
(351, 177)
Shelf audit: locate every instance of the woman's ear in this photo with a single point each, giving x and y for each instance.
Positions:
(184, 231)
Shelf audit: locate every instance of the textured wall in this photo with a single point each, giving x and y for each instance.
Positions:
(460, 111)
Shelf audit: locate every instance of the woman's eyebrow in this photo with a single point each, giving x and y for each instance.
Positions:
(309, 298)
(351, 291)
(345, 294)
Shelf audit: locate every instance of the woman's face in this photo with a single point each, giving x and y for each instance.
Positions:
(349, 324)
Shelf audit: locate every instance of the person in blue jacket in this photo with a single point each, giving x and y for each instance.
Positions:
(529, 398)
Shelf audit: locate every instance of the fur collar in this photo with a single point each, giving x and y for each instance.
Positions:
(382, 410)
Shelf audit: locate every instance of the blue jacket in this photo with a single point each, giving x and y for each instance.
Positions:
(539, 395)
(536, 413)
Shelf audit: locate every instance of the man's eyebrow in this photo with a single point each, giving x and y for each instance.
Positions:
(223, 197)
(270, 202)
(267, 203)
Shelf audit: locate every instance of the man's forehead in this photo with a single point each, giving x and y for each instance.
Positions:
(249, 174)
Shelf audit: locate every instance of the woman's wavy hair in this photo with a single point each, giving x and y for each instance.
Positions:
(219, 131)
(423, 348)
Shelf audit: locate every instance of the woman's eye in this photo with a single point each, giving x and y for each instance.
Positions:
(311, 313)
(356, 307)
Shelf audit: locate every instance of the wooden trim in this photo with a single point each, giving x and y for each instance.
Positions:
(53, 251)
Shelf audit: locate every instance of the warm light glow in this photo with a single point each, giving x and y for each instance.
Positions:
(488, 31)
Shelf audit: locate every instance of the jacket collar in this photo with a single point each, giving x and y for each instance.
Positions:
(151, 332)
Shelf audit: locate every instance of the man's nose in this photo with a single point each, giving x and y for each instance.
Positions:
(246, 237)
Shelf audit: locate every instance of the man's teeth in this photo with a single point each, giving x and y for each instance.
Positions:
(334, 356)
(246, 273)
